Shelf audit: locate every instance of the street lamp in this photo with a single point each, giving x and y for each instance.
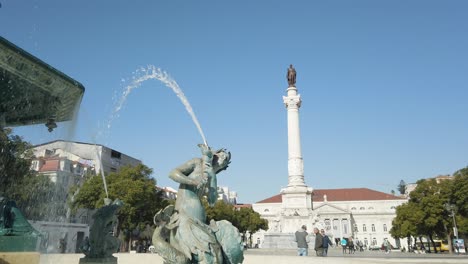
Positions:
(451, 208)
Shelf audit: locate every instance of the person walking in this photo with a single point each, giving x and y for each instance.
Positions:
(302, 239)
(351, 245)
(344, 244)
(326, 242)
(386, 246)
(318, 242)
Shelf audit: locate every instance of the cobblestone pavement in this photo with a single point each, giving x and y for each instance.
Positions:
(337, 252)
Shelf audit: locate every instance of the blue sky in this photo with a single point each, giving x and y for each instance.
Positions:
(383, 84)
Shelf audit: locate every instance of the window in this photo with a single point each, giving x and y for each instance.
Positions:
(364, 228)
(353, 208)
(373, 228)
(362, 208)
(116, 154)
(393, 207)
(35, 165)
(266, 210)
(366, 242)
(336, 223)
(356, 228)
(385, 227)
(345, 226)
(371, 208)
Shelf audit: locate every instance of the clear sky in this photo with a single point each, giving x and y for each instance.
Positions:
(383, 84)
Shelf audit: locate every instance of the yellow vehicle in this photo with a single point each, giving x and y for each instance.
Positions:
(444, 246)
(440, 245)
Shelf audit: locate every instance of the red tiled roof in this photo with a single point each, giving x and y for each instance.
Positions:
(242, 206)
(352, 194)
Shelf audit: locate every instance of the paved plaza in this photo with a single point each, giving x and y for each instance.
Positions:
(285, 256)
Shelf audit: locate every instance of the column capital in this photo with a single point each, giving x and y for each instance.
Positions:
(292, 101)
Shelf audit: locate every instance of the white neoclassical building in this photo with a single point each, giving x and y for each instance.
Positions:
(362, 213)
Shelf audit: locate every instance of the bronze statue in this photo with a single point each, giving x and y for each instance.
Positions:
(291, 76)
(181, 235)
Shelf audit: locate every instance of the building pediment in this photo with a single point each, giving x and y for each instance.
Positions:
(330, 209)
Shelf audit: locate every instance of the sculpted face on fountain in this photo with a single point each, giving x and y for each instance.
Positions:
(221, 160)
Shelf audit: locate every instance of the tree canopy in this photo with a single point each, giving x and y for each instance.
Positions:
(245, 219)
(35, 195)
(429, 209)
(134, 186)
(402, 187)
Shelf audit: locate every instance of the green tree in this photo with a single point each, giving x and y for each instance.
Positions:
(15, 161)
(33, 193)
(430, 197)
(244, 219)
(459, 198)
(408, 217)
(219, 211)
(137, 190)
(402, 187)
(249, 221)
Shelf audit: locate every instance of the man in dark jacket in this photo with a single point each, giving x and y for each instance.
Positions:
(302, 239)
(318, 242)
(326, 242)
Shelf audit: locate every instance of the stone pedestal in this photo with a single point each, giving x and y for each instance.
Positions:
(109, 260)
(20, 257)
(279, 240)
(296, 208)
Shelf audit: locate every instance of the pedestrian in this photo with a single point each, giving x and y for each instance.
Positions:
(344, 244)
(302, 239)
(318, 242)
(386, 246)
(351, 245)
(458, 245)
(326, 242)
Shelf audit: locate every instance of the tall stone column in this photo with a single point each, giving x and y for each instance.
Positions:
(296, 198)
(295, 162)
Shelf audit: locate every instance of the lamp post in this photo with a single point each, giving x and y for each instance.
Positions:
(451, 208)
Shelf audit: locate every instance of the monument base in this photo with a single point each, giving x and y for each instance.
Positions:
(109, 260)
(20, 257)
(279, 240)
(26, 243)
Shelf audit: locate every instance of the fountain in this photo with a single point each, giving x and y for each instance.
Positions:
(149, 73)
(181, 235)
(31, 92)
(34, 93)
(101, 243)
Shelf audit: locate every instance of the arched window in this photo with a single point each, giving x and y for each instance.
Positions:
(353, 208)
(362, 208)
(364, 228)
(266, 210)
(371, 208)
(385, 227)
(393, 207)
(373, 228)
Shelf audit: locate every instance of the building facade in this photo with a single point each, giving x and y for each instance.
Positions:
(361, 213)
(66, 163)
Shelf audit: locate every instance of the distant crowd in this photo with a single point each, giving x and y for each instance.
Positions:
(323, 242)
